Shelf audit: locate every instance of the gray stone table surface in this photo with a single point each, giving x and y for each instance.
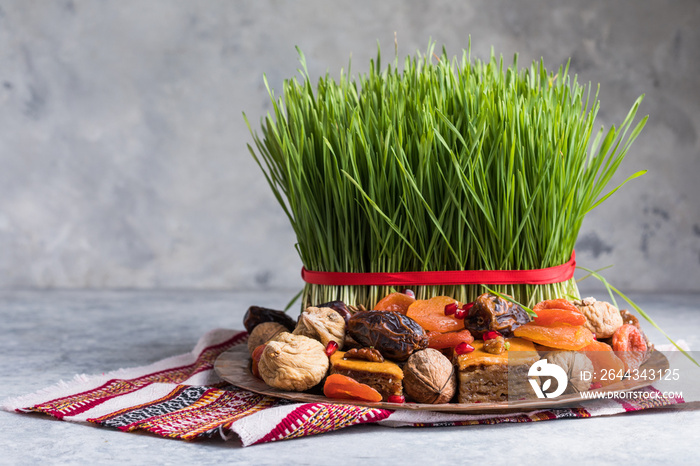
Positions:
(47, 336)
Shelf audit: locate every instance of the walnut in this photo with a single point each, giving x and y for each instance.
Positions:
(323, 324)
(293, 362)
(495, 345)
(429, 377)
(601, 318)
(574, 364)
(263, 333)
(367, 354)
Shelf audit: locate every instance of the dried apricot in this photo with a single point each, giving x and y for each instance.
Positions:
(564, 337)
(630, 346)
(556, 304)
(608, 368)
(430, 314)
(255, 357)
(345, 388)
(396, 302)
(548, 317)
(439, 340)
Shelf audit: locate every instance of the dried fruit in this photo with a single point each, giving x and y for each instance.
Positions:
(342, 387)
(323, 324)
(560, 337)
(439, 340)
(256, 315)
(608, 368)
(555, 304)
(331, 348)
(339, 307)
(548, 317)
(255, 360)
(576, 365)
(430, 314)
(601, 318)
(263, 333)
(491, 312)
(629, 345)
(429, 377)
(629, 318)
(396, 399)
(464, 348)
(293, 362)
(394, 335)
(395, 302)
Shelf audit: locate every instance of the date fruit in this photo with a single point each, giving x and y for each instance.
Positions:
(491, 312)
(394, 335)
(257, 315)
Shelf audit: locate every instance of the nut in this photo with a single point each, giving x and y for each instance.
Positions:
(293, 362)
(575, 365)
(601, 318)
(323, 324)
(367, 354)
(263, 333)
(495, 345)
(429, 377)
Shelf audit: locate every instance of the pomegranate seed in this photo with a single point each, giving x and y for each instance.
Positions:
(595, 385)
(491, 335)
(450, 309)
(331, 348)
(464, 348)
(396, 399)
(595, 337)
(410, 293)
(467, 306)
(460, 314)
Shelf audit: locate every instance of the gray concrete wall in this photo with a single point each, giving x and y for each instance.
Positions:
(123, 159)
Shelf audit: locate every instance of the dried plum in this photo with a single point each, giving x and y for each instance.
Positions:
(339, 307)
(257, 315)
(491, 312)
(394, 335)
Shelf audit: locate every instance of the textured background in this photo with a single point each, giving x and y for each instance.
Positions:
(123, 159)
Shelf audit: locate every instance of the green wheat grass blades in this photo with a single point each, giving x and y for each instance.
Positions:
(439, 164)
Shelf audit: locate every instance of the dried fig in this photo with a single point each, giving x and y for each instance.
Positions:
(601, 318)
(263, 333)
(323, 324)
(293, 362)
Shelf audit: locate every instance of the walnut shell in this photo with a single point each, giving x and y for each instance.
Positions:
(263, 333)
(574, 364)
(293, 362)
(429, 377)
(601, 318)
(323, 324)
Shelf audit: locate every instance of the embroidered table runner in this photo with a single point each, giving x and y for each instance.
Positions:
(182, 397)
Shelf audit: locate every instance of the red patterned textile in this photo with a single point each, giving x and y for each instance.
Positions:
(182, 397)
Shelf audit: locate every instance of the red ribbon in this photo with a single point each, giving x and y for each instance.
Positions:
(556, 274)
